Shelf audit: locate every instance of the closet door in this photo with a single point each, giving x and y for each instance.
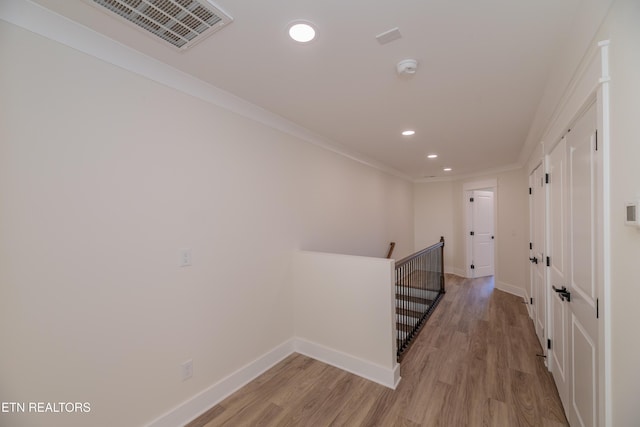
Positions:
(536, 254)
(558, 270)
(575, 270)
(586, 277)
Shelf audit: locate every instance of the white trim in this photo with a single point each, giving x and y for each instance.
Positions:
(206, 399)
(214, 394)
(511, 289)
(480, 185)
(42, 21)
(494, 171)
(365, 369)
(606, 233)
(203, 401)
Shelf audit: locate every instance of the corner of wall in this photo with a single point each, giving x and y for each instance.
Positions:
(511, 289)
(363, 368)
(200, 403)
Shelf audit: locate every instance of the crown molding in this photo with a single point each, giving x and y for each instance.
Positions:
(501, 169)
(46, 23)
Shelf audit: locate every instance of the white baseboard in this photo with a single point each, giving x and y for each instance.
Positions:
(514, 290)
(198, 404)
(371, 371)
(453, 270)
(203, 401)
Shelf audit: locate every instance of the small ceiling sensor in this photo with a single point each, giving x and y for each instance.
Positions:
(302, 31)
(432, 156)
(407, 67)
(408, 132)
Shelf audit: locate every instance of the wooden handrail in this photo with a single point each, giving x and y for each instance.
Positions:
(417, 254)
(391, 246)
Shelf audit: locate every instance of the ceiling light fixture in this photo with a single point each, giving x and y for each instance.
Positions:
(447, 169)
(408, 132)
(432, 156)
(302, 31)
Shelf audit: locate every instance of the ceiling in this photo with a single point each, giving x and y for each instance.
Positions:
(483, 67)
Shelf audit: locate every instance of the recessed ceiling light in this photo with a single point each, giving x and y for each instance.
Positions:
(447, 169)
(432, 156)
(302, 31)
(408, 132)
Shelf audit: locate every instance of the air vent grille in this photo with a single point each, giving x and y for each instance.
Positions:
(179, 22)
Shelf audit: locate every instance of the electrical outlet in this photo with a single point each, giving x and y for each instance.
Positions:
(185, 257)
(186, 369)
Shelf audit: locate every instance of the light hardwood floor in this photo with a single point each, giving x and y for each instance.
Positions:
(473, 364)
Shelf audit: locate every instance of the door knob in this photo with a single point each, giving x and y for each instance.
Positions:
(534, 260)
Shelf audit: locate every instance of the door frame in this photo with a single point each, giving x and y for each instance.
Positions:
(467, 187)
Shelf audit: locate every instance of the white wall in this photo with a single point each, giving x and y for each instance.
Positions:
(622, 27)
(344, 311)
(512, 245)
(439, 209)
(433, 218)
(351, 209)
(104, 175)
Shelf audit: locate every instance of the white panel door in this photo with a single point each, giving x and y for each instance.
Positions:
(584, 192)
(558, 270)
(575, 232)
(532, 278)
(483, 236)
(536, 256)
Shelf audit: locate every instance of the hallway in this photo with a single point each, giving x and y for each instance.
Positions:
(473, 364)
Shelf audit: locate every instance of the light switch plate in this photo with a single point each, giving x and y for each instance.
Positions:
(185, 257)
(186, 370)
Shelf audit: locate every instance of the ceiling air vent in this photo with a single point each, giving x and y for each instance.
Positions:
(179, 22)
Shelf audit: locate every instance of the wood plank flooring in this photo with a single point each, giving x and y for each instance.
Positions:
(473, 364)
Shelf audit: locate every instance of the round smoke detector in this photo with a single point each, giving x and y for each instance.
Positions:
(407, 67)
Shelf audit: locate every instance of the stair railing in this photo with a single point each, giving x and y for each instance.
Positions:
(419, 288)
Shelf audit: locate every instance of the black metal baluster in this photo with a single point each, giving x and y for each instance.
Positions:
(419, 282)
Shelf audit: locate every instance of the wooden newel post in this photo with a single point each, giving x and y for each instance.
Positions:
(391, 246)
(442, 264)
